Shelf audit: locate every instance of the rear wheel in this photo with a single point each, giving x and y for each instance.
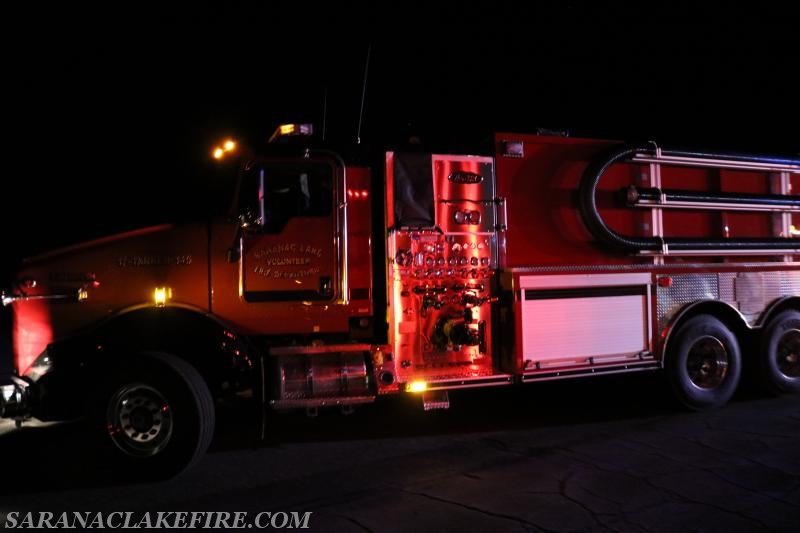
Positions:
(779, 360)
(703, 363)
(156, 415)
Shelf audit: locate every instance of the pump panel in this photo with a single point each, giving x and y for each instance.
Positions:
(443, 276)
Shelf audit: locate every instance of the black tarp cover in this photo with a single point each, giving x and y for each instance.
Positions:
(413, 190)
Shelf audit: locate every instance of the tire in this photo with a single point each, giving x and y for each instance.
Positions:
(155, 416)
(704, 363)
(779, 360)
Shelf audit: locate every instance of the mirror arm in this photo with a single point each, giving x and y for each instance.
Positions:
(235, 250)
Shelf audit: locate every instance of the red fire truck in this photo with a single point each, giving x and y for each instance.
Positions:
(329, 283)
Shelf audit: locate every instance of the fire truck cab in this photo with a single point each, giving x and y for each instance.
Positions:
(330, 283)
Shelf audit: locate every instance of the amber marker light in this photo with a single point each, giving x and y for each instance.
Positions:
(161, 295)
(223, 150)
(417, 386)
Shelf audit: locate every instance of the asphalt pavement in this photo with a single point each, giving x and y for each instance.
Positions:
(602, 454)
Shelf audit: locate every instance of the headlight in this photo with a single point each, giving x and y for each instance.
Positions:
(40, 366)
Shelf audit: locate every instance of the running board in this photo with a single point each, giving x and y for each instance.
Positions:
(549, 375)
(433, 383)
(321, 402)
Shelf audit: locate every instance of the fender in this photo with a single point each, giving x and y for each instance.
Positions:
(730, 316)
(777, 306)
(226, 360)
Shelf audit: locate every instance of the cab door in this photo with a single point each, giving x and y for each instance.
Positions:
(289, 240)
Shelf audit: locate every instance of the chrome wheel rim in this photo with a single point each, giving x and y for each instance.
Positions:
(787, 354)
(707, 362)
(139, 420)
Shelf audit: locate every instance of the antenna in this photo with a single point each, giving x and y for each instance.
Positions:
(363, 95)
(324, 111)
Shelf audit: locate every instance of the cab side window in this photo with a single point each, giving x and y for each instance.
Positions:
(284, 191)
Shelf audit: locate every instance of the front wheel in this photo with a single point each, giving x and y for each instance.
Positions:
(703, 363)
(157, 415)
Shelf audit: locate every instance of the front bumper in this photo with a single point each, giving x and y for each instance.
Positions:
(14, 398)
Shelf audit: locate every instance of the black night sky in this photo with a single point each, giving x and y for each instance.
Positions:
(111, 114)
